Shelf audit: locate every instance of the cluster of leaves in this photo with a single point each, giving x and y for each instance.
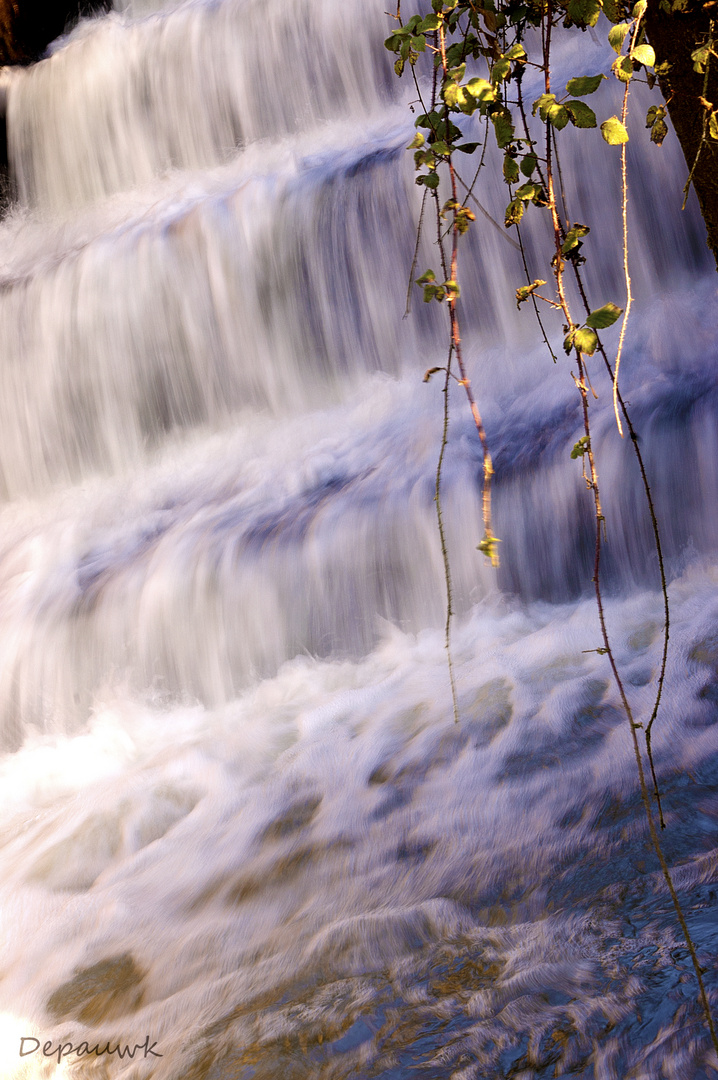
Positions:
(584, 338)
(460, 35)
(701, 58)
(482, 33)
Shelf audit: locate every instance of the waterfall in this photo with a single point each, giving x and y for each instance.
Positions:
(238, 818)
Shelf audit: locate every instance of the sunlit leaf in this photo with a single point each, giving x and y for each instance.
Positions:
(614, 131)
(585, 340)
(559, 116)
(525, 291)
(581, 115)
(644, 54)
(616, 35)
(514, 213)
(573, 238)
(622, 68)
(585, 84)
(604, 316)
(584, 12)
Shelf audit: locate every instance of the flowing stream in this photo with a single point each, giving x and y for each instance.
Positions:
(238, 821)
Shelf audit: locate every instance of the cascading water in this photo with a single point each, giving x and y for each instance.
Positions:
(239, 821)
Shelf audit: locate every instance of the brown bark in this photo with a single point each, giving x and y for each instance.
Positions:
(674, 35)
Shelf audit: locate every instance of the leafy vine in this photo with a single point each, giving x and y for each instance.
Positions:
(457, 36)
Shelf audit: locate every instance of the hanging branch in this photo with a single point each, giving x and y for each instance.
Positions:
(490, 99)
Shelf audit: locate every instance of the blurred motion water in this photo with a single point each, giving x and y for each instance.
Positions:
(237, 815)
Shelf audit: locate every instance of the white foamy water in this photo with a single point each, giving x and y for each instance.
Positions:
(238, 822)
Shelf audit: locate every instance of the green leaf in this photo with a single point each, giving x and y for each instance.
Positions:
(434, 292)
(516, 52)
(416, 142)
(525, 291)
(559, 116)
(550, 110)
(528, 192)
(573, 238)
(543, 104)
(481, 90)
(468, 147)
(613, 10)
(584, 12)
(503, 128)
(622, 68)
(581, 115)
(616, 35)
(426, 277)
(586, 84)
(440, 148)
(659, 132)
(514, 213)
(639, 9)
(585, 340)
(431, 22)
(430, 120)
(604, 316)
(528, 164)
(431, 180)
(511, 170)
(453, 95)
(579, 448)
(656, 122)
(488, 548)
(614, 132)
(644, 54)
(700, 58)
(500, 70)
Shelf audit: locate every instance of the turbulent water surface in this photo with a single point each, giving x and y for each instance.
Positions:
(239, 823)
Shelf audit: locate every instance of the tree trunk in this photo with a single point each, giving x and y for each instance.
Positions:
(674, 35)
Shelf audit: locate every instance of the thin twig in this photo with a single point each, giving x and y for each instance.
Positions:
(636, 749)
(416, 253)
(442, 537)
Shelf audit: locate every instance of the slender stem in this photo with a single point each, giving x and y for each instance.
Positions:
(659, 552)
(624, 218)
(702, 143)
(416, 253)
(456, 344)
(442, 536)
(581, 382)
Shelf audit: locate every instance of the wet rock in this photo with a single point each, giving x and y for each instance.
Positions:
(108, 989)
